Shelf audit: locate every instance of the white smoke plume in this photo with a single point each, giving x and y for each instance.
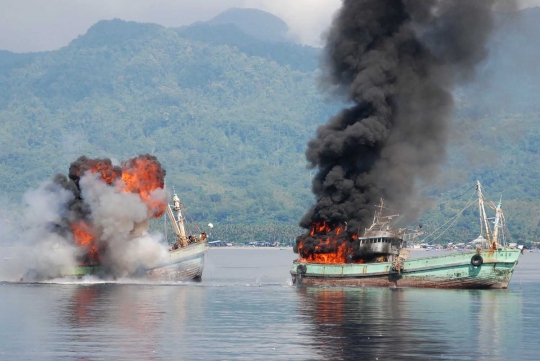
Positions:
(122, 218)
(36, 248)
(114, 213)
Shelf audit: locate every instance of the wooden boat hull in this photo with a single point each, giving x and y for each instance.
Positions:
(454, 271)
(185, 264)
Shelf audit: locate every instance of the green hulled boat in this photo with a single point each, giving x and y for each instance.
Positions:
(468, 270)
(490, 266)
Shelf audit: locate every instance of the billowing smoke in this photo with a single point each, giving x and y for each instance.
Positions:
(97, 216)
(396, 62)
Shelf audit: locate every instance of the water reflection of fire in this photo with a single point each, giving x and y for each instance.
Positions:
(83, 314)
(329, 306)
(370, 324)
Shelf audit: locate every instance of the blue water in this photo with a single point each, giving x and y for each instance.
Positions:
(246, 309)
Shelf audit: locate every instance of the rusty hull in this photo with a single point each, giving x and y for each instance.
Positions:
(451, 271)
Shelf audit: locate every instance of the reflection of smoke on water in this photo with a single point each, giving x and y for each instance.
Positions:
(365, 324)
(411, 324)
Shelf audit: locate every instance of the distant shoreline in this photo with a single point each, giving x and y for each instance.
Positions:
(290, 248)
(250, 247)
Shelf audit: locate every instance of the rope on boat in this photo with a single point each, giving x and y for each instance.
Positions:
(458, 196)
(186, 215)
(453, 220)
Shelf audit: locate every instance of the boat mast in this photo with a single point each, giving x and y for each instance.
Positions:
(377, 215)
(178, 221)
(497, 225)
(483, 212)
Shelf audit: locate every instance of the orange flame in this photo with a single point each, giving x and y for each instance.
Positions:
(84, 237)
(328, 239)
(104, 167)
(107, 172)
(143, 176)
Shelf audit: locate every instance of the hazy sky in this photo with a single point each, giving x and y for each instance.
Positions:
(35, 25)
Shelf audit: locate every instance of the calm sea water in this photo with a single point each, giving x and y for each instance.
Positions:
(246, 309)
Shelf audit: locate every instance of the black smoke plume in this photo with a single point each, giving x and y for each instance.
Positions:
(396, 62)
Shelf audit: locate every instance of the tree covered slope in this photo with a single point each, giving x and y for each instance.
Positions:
(229, 117)
(229, 128)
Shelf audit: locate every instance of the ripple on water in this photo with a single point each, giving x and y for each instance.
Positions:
(256, 314)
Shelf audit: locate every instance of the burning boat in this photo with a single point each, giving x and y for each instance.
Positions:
(381, 260)
(101, 220)
(185, 257)
(396, 65)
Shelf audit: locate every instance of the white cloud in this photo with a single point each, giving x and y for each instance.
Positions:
(36, 25)
(307, 19)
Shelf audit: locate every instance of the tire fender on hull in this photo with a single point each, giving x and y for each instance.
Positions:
(477, 260)
(300, 271)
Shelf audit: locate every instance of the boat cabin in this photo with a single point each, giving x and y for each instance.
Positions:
(380, 245)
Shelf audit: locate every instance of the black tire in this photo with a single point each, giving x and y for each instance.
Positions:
(301, 269)
(477, 260)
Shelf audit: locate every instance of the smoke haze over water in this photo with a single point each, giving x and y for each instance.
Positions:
(396, 62)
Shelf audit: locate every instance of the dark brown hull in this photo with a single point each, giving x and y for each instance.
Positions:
(387, 281)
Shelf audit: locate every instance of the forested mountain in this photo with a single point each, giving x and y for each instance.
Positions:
(229, 116)
(230, 128)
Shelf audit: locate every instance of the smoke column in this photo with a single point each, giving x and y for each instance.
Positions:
(396, 62)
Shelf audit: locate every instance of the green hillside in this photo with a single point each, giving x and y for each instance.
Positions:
(229, 128)
(229, 117)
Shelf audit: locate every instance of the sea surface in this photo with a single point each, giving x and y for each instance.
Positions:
(245, 308)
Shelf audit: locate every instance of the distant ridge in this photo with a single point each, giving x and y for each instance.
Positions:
(255, 33)
(298, 57)
(116, 31)
(256, 23)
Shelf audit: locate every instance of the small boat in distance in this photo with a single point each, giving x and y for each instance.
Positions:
(489, 266)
